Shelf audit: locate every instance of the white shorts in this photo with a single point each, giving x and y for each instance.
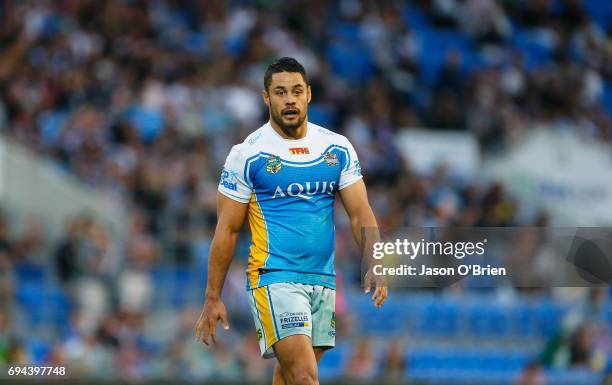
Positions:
(284, 309)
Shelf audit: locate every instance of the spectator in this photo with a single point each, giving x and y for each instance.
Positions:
(362, 364)
(393, 367)
(532, 375)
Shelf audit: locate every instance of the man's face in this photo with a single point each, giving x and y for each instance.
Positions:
(287, 97)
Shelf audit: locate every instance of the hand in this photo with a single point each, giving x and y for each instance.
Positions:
(381, 292)
(213, 311)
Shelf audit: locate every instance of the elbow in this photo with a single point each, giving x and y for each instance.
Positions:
(365, 218)
(356, 222)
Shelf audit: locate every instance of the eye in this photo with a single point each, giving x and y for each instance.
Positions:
(280, 92)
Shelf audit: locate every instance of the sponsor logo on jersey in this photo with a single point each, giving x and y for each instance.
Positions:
(229, 180)
(357, 167)
(255, 138)
(259, 334)
(306, 190)
(333, 320)
(331, 159)
(299, 150)
(294, 320)
(273, 164)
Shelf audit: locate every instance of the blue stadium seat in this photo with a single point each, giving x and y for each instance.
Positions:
(58, 307)
(346, 31)
(607, 97)
(574, 377)
(415, 18)
(549, 317)
(435, 46)
(46, 305)
(31, 297)
(534, 50)
(38, 351)
(25, 272)
(334, 360)
(439, 318)
(483, 366)
(175, 286)
(150, 123)
(195, 42)
(236, 45)
(393, 318)
(183, 286)
(488, 321)
(339, 53)
(600, 11)
(321, 114)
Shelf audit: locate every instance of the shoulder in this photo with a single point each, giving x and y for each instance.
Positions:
(330, 138)
(328, 135)
(322, 131)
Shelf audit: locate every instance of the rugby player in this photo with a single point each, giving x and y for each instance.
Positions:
(285, 177)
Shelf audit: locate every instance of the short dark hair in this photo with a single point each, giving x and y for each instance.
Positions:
(284, 64)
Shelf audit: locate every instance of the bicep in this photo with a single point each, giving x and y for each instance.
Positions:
(231, 214)
(354, 198)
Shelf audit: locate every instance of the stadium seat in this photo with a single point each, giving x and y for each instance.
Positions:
(25, 272)
(415, 18)
(477, 365)
(600, 11)
(607, 97)
(38, 351)
(535, 49)
(334, 360)
(488, 321)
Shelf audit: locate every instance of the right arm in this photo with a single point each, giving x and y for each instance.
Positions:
(231, 215)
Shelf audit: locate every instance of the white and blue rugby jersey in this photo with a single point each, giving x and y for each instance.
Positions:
(290, 186)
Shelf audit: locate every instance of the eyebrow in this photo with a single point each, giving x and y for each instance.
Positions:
(295, 86)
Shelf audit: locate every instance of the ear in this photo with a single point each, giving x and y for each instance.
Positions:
(266, 97)
(309, 93)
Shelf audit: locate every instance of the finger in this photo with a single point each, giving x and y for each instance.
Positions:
(224, 321)
(213, 330)
(378, 296)
(198, 331)
(377, 293)
(205, 331)
(367, 283)
(384, 294)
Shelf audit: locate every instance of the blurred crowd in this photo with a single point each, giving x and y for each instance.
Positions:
(143, 99)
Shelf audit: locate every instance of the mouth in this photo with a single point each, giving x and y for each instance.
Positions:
(290, 113)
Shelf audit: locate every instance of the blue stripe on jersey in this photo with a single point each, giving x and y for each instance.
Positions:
(288, 162)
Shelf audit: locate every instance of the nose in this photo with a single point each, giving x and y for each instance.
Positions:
(290, 101)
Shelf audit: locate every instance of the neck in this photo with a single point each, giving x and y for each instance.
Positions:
(297, 133)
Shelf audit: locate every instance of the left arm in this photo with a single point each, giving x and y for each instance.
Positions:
(355, 200)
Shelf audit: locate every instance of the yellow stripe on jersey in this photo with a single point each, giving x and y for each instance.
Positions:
(259, 249)
(265, 314)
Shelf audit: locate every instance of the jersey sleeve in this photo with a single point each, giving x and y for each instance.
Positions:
(351, 172)
(232, 182)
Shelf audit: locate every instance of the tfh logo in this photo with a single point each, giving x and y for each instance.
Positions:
(299, 150)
